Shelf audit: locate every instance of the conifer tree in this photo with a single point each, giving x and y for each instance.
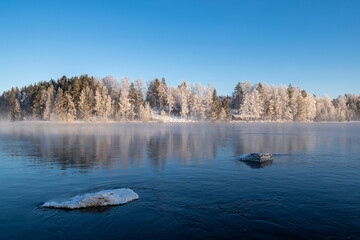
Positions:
(237, 97)
(226, 107)
(17, 111)
(84, 104)
(70, 108)
(197, 109)
(140, 95)
(12, 103)
(215, 107)
(222, 114)
(162, 89)
(132, 95)
(208, 101)
(170, 99)
(37, 104)
(184, 98)
(60, 105)
(48, 96)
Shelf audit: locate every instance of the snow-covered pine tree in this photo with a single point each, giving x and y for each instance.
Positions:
(84, 106)
(301, 111)
(237, 97)
(208, 100)
(60, 105)
(140, 95)
(37, 103)
(132, 95)
(184, 98)
(325, 110)
(162, 90)
(98, 106)
(170, 99)
(215, 107)
(226, 107)
(12, 101)
(197, 106)
(310, 103)
(145, 113)
(268, 103)
(124, 103)
(48, 95)
(17, 111)
(245, 107)
(70, 108)
(222, 114)
(256, 106)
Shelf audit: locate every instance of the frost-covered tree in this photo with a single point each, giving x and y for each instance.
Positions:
(98, 106)
(170, 99)
(70, 108)
(268, 103)
(85, 104)
(208, 101)
(184, 93)
(49, 99)
(222, 115)
(152, 94)
(145, 113)
(132, 95)
(125, 107)
(226, 108)
(255, 109)
(17, 111)
(162, 90)
(139, 85)
(12, 102)
(245, 107)
(301, 111)
(325, 110)
(343, 113)
(88, 98)
(237, 97)
(215, 107)
(60, 105)
(197, 103)
(310, 103)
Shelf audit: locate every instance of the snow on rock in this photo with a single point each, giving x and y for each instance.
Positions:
(256, 157)
(103, 198)
(169, 119)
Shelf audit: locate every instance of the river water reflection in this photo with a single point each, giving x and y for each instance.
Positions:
(189, 179)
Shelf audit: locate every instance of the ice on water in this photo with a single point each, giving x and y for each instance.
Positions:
(103, 198)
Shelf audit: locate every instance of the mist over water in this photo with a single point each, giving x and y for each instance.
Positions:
(188, 177)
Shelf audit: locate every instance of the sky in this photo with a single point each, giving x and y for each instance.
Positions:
(314, 45)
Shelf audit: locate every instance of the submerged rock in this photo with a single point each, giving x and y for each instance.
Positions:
(99, 199)
(256, 157)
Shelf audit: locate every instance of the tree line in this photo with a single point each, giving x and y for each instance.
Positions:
(86, 98)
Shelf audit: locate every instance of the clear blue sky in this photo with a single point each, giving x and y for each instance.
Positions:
(312, 44)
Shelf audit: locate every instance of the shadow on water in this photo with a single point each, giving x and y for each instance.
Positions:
(258, 164)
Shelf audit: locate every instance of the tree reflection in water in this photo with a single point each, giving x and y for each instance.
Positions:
(110, 145)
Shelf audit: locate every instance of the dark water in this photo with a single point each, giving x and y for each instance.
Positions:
(190, 183)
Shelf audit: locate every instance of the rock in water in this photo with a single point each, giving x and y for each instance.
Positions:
(256, 157)
(103, 198)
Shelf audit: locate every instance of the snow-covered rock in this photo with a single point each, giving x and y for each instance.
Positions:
(256, 157)
(103, 198)
(170, 119)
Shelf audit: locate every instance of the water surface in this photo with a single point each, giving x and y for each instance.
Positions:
(190, 183)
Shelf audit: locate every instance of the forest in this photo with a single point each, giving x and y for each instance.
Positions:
(85, 98)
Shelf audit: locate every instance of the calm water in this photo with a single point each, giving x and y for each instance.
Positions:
(190, 183)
